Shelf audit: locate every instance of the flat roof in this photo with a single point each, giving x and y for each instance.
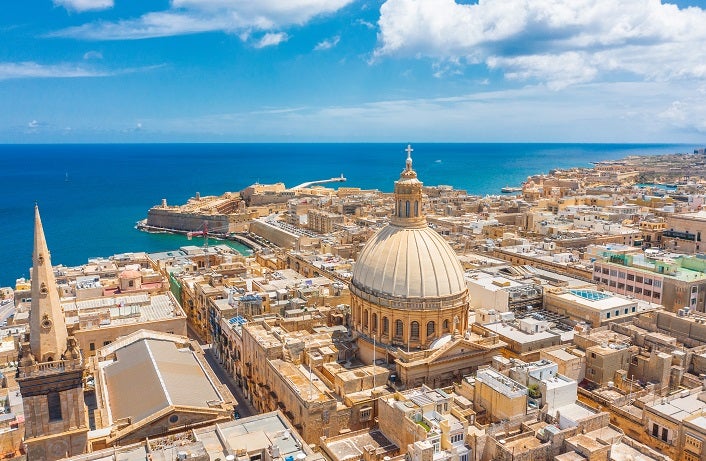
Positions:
(516, 334)
(597, 300)
(352, 447)
(677, 408)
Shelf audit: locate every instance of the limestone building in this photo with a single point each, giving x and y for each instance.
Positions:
(50, 371)
(409, 300)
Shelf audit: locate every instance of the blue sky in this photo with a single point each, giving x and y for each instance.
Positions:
(352, 70)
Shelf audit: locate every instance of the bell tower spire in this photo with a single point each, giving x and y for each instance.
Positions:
(50, 369)
(408, 197)
(47, 327)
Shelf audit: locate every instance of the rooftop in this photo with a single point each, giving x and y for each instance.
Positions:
(515, 334)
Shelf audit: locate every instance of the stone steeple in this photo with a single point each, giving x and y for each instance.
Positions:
(408, 197)
(47, 327)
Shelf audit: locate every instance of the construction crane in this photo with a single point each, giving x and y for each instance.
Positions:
(202, 231)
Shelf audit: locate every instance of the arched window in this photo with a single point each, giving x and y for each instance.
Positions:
(385, 326)
(375, 323)
(365, 318)
(399, 208)
(415, 330)
(416, 208)
(431, 328)
(399, 328)
(446, 325)
(406, 208)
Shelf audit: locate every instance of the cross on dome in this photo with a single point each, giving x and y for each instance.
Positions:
(409, 151)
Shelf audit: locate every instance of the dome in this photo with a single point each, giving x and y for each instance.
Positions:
(404, 262)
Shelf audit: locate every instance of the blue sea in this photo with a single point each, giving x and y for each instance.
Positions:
(91, 195)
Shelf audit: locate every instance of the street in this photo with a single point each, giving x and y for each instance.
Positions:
(244, 407)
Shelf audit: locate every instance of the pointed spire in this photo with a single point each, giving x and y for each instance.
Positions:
(47, 336)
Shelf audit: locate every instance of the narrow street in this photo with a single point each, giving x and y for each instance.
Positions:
(244, 407)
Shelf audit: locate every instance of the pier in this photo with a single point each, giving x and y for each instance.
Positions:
(321, 181)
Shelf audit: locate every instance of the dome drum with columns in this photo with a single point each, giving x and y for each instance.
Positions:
(408, 288)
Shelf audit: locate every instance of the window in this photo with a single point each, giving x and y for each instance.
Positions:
(648, 293)
(648, 281)
(630, 288)
(638, 279)
(105, 343)
(54, 406)
(638, 290)
(607, 315)
(613, 273)
(626, 311)
(385, 326)
(406, 209)
(665, 434)
(633, 309)
(631, 277)
(431, 327)
(399, 328)
(365, 413)
(375, 322)
(612, 283)
(415, 330)
(621, 275)
(91, 346)
(657, 284)
(365, 318)
(446, 325)
(617, 312)
(621, 286)
(655, 430)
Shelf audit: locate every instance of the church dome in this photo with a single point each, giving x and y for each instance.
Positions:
(404, 262)
(407, 259)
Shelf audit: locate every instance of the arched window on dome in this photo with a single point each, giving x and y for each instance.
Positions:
(375, 323)
(416, 208)
(399, 328)
(431, 328)
(406, 209)
(446, 325)
(365, 318)
(399, 208)
(385, 326)
(414, 330)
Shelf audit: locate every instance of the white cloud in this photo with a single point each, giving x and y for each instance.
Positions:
(271, 39)
(33, 124)
(328, 43)
(92, 55)
(561, 42)
(365, 23)
(197, 16)
(84, 5)
(13, 70)
(30, 69)
(609, 112)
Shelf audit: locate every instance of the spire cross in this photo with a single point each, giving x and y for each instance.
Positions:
(409, 156)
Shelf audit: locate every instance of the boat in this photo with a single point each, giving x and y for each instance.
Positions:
(510, 190)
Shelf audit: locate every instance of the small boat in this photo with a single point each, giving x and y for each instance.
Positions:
(510, 190)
